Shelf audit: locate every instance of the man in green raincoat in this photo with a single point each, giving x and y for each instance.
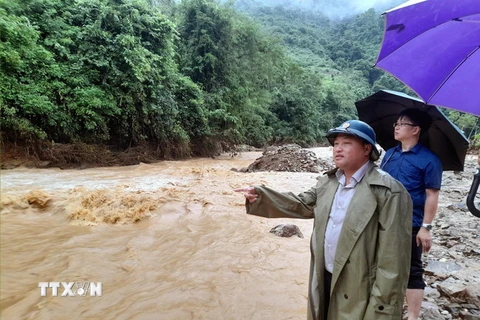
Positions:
(361, 239)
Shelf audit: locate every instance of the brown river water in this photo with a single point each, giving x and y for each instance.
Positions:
(169, 240)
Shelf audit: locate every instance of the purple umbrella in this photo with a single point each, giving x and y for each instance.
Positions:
(433, 46)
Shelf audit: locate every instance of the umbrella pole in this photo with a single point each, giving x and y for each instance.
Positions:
(472, 193)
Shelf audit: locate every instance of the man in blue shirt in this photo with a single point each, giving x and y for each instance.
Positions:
(420, 171)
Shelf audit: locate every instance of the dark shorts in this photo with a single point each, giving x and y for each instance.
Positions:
(327, 287)
(415, 280)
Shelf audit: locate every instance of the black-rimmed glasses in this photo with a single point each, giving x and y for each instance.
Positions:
(403, 124)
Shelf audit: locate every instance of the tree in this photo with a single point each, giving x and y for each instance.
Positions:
(24, 102)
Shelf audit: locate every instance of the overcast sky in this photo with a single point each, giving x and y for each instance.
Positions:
(363, 5)
(344, 8)
(332, 8)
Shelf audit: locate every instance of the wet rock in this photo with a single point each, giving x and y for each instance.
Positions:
(431, 293)
(467, 315)
(461, 294)
(444, 226)
(459, 206)
(454, 308)
(451, 290)
(431, 311)
(473, 294)
(446, 315)
(439, 267)
(286, 230)
(473, 225)
(472, 252)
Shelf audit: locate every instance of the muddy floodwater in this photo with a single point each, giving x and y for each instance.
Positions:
(169, 240)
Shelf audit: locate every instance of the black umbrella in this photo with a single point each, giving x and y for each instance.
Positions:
(381, 110)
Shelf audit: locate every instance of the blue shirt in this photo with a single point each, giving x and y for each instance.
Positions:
(417, 169)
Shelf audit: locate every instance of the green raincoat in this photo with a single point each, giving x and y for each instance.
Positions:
(372, 260)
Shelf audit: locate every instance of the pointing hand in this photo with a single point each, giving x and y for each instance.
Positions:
(249, 193)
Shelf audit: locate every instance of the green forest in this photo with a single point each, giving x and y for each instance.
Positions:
(190, 78)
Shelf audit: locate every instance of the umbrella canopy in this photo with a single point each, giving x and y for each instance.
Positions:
(433, 46)
(381, 110)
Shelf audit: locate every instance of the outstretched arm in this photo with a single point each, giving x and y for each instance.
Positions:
(266, 202)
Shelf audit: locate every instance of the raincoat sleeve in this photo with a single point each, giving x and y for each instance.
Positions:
(274, 204)
(393, 255)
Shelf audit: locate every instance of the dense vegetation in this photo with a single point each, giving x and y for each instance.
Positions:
(189, 78)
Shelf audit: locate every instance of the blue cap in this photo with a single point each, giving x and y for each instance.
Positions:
(359, 129)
